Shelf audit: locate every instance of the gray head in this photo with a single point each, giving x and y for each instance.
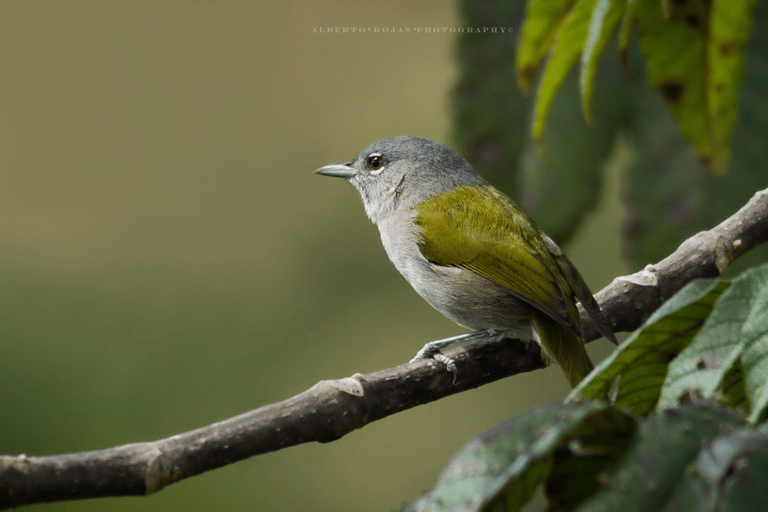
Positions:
(401, 172)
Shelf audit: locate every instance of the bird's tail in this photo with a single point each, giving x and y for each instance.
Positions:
(562, 346)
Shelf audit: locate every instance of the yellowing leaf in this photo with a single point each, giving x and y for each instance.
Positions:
(694, 59)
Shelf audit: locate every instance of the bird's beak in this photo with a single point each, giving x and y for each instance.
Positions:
(340, 170)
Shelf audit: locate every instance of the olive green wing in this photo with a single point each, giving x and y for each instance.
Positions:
(481, 229)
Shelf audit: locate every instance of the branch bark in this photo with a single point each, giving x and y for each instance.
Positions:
(332, 408)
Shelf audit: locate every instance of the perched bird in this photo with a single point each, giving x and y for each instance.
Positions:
(470, 251)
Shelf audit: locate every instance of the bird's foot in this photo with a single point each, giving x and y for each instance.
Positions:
(432, 350)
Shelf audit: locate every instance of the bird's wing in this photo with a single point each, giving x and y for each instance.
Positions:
(481, 229)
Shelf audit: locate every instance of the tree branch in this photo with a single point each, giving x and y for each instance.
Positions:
(332, 408)
(629, 300)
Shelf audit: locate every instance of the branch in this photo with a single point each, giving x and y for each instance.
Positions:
(332, 408)
(629, 300)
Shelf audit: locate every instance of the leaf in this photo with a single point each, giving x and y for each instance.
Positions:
(490, 114)
(627, 24)
(559, 185)
(657, 461)
(568, 44)
(543, 19)
(505, 465)
(735, 332)
(669, 197)
(729, 30)
(597, 449)
(734, 392)
(605, 18)
(693, 55)
(745, 470)
(724, 476)
(643, 358)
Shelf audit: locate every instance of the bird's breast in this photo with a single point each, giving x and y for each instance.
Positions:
(465, 297)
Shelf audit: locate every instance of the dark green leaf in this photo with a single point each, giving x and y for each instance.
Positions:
(727, 474)
(577, 471)
(503, 466)
(642, 360)
(490, 113)
(663, 448)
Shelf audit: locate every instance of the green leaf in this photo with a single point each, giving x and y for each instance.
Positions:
(729, 30)
(490, 114)
(734, 392)
(627, 23)
(735, 332)
(605, 18)
(543, 19)
(719, 477)
(693, 55)
(662, 452)
(597, 448)
(505, 465)
(742, 466)
(568, 44)
(559, 185)
(642, 359)
(669, 197)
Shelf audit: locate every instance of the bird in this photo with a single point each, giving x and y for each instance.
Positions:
(471, 252)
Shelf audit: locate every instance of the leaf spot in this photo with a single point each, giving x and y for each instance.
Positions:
(672, 91)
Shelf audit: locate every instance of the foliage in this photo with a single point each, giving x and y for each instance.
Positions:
(693, 51)
(675, 425)
(702, 106)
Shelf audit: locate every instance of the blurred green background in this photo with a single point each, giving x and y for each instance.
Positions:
(168, 260)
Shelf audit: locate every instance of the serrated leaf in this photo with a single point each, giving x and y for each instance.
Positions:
(733, 342)
(543, 19)
(662, 450)
(754, 355)
(605, 17)
(505, 465)
(570, 39)
(688, 64)
(643, 358)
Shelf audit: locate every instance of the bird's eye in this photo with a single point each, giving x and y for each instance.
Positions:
(375, 162)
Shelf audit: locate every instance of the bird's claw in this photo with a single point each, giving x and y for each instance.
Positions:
(428, 352)
(449, 363)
